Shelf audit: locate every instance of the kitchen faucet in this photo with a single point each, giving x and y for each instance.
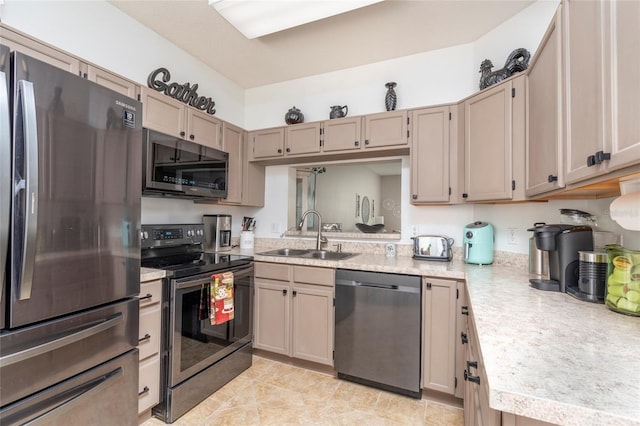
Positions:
(319, 239)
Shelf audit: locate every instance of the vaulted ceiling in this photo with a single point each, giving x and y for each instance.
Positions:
(382, 31)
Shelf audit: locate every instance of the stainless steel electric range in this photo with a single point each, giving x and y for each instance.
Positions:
(197, 358)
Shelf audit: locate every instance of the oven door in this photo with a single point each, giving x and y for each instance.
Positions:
(196, 344)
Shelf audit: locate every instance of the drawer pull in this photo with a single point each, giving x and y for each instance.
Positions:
(145, 390)
(147, 297)
(146, 337)
(471, 378)
(472, 364)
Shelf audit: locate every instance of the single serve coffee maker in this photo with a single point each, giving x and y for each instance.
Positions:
(563, 242)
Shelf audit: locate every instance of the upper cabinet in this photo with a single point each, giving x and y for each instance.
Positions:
(544, 166)
(347, 135)
(602, 86)
(112, 81)
(174, 118)
(386, 129)
(38, 50)
(494, 143)
(430, 142)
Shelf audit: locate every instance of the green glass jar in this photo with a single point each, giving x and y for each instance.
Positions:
(623, 280)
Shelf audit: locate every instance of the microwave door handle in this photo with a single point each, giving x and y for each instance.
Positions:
(5, 175)
(29, 135)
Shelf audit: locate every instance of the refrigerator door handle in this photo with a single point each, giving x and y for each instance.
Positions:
(80, 394)
(34, 351)
(27, 111)
(5, 178)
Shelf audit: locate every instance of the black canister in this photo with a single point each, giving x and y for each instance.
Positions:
(592, 274)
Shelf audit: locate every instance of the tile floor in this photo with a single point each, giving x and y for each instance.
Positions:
(273, 393)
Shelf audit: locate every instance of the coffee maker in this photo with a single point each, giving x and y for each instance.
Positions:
(563, 242)
(217, 231)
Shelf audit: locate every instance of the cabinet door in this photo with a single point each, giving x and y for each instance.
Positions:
(204, 129)
(43, 52)
(341, 134)
(544, 115)
(461, 338)
(232, 138)
(584, 86)
(303, 139)
(624, 77)
(272, 316)
(112, 81)
(430, 155)
(149, 331)
(488, 144)
(439, 334)
(148, 384)
(385, 129)
(253, 186)
(312, 322)
(162, 113)
(268, 143)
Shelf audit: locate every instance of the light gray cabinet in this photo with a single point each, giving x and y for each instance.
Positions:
(294, 311)
(149, 345)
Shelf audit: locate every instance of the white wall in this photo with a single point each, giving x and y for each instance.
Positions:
(100, 33)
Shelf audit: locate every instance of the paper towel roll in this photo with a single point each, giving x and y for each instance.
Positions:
(626, 208)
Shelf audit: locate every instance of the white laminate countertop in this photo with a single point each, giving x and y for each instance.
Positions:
(547, 355)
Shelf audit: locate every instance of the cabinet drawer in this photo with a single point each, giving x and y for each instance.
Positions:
(150, 293)
(149, 331)
(311, 275)
(272, 271)
(148, 384)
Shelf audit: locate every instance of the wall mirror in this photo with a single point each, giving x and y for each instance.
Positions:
(349, 193)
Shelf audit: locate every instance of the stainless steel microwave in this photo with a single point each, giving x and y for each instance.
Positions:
(182, 169)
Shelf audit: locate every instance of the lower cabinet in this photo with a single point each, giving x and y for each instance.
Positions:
(294, 311)
(149, 344)
(440, 350)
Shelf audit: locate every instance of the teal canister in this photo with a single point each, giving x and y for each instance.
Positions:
(478, 243)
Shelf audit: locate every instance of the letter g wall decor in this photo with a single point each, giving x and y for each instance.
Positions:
(159, 80)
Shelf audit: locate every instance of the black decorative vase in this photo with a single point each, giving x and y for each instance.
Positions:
(390, 99)
(294, 116)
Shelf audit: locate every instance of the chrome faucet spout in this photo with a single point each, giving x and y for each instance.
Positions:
(319, 239)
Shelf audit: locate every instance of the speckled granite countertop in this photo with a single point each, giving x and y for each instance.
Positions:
(547, 355)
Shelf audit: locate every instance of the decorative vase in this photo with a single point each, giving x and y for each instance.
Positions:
(294, 116)
(337, 111)
(390, 99)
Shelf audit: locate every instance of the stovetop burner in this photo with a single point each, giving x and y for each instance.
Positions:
(178, 250)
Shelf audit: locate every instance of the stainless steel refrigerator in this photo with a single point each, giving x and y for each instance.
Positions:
(70, 183)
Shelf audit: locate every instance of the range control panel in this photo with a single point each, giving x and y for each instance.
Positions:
(171, 235)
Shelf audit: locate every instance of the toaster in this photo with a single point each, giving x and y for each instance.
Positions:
(432, 247)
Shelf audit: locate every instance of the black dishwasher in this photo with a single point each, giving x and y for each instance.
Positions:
(378, 333)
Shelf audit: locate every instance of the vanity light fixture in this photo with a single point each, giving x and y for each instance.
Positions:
(256, 18)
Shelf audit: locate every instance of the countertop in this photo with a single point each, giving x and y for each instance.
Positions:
(547, 355)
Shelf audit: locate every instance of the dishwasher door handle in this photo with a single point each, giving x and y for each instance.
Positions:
(361, 284)
(385, 286)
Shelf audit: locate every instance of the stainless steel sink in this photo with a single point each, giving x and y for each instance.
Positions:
(288, 252)
(327, 255)
(307, 254)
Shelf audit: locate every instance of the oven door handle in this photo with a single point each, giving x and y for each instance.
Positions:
(239, 273)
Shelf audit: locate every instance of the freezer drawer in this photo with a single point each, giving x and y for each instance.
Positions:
(39, 356)
(104, 395)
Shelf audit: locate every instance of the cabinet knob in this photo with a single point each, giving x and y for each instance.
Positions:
(295, 293)
(284, 291)
(366, 141)
(288, 149)
(602, 156)
(182, 134)
(414, 196)
(192, 137)
(591, 160)
(279, 151)
(356, 143)
(552, 178)
(465, 195)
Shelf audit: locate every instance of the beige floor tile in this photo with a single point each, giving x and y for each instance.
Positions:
(273, 393)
